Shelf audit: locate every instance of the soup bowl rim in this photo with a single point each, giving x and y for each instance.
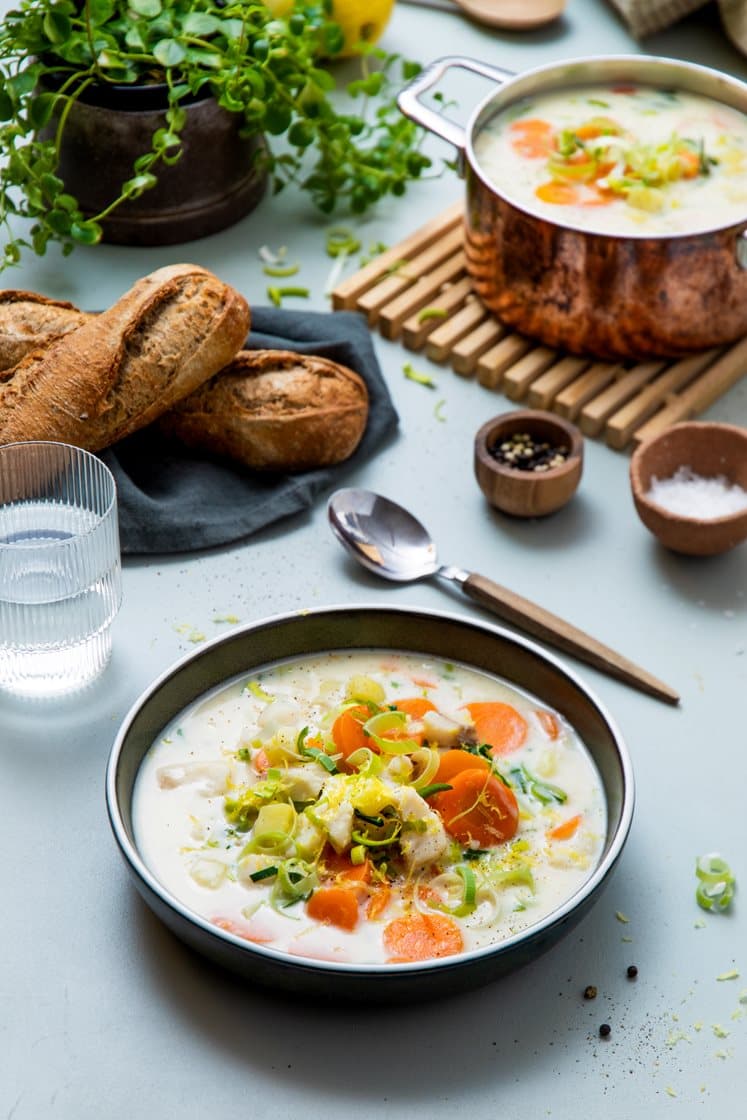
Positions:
(207, 937)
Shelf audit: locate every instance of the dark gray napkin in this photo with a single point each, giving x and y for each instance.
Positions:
(173, 499)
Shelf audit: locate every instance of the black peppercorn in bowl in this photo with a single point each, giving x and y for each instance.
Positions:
(528, 462)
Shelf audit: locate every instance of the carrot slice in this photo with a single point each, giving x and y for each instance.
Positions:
(549, 723)
(532, 138)
(336, 906)
(348, 733)
(565, 829)
(261, 762)
(560, 194)
(378, 903)
(421, 937)
(415, 706)
(453, 762)
(499, 725)
(242, 929)
(478, 808)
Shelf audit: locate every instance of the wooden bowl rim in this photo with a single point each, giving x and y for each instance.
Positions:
(526, 417)
(640, 495)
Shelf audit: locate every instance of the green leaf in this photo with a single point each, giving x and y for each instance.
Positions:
(135, 186)
(147, 8)
(169, 52)
(57, 25)
(232, 28)
(201, 23)
(41, 109)
(86, 233)
(6, 106)
(59, 221)
(163, 139)
(209, 59)
(51, 185)
(100, 10)
(277, 118)
(66, 202)
(323, 79)
(134, 38)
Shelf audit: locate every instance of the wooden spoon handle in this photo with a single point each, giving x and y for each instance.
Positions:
(555, 631)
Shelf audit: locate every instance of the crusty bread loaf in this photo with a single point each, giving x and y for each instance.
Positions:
(28, 321)
(275, 410)
(121, 369)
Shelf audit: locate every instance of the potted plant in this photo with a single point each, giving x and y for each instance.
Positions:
(193, 78)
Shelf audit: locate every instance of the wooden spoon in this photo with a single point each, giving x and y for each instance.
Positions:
(512, 15)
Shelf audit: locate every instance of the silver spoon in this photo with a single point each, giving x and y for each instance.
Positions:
(389, 541)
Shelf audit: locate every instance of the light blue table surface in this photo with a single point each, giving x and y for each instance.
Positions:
(104, 1014)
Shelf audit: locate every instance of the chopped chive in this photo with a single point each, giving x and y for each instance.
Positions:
(436, 787)
(277, 295)
(431, 313)
(280, 270)
(263, 873)
(377, 821)
(322, 758)
(419, 378)
(340, 239)
(438, 411)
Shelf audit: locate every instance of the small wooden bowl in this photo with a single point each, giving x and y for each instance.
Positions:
(528, 493)
(711, 450)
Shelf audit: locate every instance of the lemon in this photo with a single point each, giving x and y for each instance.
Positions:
(361, 21)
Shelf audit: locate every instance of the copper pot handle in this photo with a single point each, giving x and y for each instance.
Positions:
(409, 102)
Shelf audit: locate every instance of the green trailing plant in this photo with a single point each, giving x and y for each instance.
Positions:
(345, 146)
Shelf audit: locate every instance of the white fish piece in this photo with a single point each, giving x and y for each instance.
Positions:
(442, 730)
(304, 783)
(211, 777)
(422, 845)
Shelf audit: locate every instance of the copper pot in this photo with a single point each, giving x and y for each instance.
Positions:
(608, 295)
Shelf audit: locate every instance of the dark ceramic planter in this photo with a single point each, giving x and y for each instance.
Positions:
(219, 178)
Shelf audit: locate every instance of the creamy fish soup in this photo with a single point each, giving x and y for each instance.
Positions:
(621, 159)
(370, 807)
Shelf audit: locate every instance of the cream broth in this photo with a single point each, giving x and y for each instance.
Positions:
(624, 160)
(304, 810)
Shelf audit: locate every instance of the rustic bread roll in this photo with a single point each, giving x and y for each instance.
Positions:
(122, 368)
(275, 410)
(28, 321)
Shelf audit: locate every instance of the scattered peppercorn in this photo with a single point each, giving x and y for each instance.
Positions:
(605, 1030)
(522, 452)
(590, 992)
(632, 971)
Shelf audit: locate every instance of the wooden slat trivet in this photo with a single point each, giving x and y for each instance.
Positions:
(620, 402)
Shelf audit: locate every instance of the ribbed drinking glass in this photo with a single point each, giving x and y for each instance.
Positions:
(60, 570)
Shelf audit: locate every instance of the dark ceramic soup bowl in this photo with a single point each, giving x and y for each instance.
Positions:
(478, 646)
(610, 295)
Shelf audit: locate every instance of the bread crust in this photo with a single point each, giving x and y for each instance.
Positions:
(121, 369)
(29, 321)
(275, 410)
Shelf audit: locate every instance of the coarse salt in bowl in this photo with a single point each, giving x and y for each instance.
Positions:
(689, 486)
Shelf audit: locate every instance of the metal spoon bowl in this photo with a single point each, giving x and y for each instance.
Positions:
(385, 538)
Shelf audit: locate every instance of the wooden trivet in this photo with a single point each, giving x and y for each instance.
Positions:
(620, 402)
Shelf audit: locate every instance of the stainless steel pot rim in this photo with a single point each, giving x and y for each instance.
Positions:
(515, 87)
(139, 867)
